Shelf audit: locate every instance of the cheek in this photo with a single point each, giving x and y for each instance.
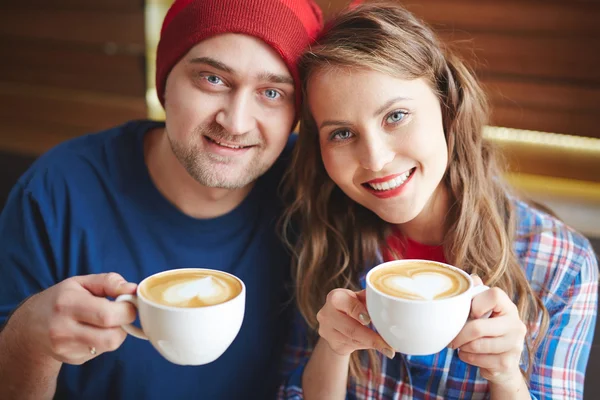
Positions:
(429, 144)
(337, 166)
(180, 111)
(275, 133)
(276, 125)
(285, 120)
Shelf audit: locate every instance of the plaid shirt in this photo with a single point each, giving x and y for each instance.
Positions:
(562, 268)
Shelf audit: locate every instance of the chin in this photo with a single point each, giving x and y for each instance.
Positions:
(396, 218)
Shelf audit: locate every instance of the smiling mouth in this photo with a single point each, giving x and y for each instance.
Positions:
(227, 145)
(390, 184)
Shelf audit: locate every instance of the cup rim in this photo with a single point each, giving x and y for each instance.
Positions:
(187, 309)
(411, 260)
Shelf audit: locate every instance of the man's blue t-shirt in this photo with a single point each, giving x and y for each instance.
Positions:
(89, 206)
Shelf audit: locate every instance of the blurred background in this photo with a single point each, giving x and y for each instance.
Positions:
(69, 67)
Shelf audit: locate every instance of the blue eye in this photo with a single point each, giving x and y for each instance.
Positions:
(395, 117)
(213, 79)
(342, 134)
(272, 94)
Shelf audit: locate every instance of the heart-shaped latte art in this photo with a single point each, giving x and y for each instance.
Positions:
(202, 288)
(425, 285)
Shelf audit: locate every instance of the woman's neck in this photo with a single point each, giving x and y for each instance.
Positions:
(431, 225)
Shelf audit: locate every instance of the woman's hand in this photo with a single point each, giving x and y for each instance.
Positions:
(493, 344)
(342, 323)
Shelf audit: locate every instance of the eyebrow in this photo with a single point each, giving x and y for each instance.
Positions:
(389, 103)
(212, 62)
(376, 113)
(275, 78)
(331, 122)
(263, 76)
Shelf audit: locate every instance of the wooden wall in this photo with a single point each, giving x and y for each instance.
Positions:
(73, 66)
(539, 59)
(68, 67)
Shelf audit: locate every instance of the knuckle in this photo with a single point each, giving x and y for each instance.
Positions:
(56, 334)
(476, 346)
(523, 329)
(506, 363)
(103, 317)
(477, 329)
(334, 296)
(497, 293)
(57, 346)
(112, 277)
(321, 332)
(519, 345)
(68, 283)
(320, 316)
(62, 304)
(350, 331)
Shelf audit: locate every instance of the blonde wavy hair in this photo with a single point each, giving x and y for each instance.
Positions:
(338, 238)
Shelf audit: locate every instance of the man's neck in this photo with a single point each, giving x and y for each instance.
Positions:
(183, 191)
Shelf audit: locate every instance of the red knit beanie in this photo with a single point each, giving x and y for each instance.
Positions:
(288, 26)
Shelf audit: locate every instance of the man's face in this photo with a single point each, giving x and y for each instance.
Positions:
(229, 108)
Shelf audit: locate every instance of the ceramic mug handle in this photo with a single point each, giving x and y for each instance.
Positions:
(130, 328)
(475, 290)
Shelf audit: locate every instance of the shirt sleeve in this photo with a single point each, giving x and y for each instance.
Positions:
(26, 256)
(561, 360)
(296, 354)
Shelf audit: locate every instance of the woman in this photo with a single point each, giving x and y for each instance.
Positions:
(391, 163)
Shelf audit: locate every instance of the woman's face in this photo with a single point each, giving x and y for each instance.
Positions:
(381, 138)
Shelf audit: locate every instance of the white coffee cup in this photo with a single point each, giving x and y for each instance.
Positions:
(419, 327)
(187, 336)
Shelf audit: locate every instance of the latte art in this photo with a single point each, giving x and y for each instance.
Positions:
(191, 289)
(419, 281)
(204, 288)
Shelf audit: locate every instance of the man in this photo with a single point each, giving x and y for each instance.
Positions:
(104, 210)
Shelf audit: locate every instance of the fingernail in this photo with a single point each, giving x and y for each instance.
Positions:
(389, 353)
(364, 318)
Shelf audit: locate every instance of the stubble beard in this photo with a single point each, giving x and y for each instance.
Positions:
(214, 170)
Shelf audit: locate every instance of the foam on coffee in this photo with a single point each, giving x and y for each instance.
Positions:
(419, 281)
(191, 288)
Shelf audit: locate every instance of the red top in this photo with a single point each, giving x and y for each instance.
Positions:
(409, 249)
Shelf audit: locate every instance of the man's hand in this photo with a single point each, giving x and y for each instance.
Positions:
(73, 317)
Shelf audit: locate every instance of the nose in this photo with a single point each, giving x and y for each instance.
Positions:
(375, 152)
(236, 115)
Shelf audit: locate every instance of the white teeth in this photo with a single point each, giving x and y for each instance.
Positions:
(226, 145)
(229, 146)
(392, 183)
